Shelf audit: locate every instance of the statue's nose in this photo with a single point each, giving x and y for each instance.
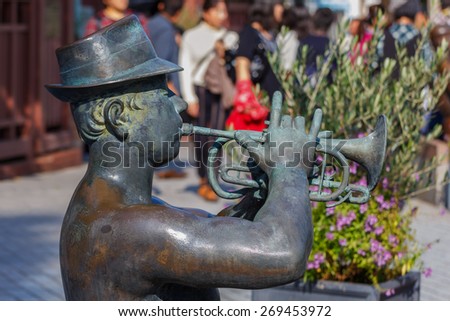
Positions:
(180, 104)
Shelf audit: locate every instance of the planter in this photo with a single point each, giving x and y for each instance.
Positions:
(406, 288)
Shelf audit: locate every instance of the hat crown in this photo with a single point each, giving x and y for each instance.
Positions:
(116, 56)
(106, 55)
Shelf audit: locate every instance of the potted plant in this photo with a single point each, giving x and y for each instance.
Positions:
(366, 251)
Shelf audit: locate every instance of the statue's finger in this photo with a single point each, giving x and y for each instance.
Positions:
(286, 121)
(299, 123)
(248, 143)
(317, 121)
(245, 140)
(275, 113)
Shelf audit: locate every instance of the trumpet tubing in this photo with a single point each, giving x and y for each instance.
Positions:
(368, 151)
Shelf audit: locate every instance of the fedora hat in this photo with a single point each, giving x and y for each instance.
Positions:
(115, 56)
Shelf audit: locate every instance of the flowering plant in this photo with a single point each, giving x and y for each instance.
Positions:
(372, 242)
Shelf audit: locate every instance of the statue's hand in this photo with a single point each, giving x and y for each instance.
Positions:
(286, 145)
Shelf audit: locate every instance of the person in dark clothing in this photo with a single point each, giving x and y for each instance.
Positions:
(403, 32)
(253, 67)
(317, 42)
(163, 34)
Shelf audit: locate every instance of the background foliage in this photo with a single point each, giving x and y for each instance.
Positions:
(372, 242)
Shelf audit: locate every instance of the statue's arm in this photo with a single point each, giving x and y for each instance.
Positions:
(224, 251)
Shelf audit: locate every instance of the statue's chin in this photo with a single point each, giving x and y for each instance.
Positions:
(164, 159)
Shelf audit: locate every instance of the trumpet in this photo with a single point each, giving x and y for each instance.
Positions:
(368, 151)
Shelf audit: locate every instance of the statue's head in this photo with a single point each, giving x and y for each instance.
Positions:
(117, 88)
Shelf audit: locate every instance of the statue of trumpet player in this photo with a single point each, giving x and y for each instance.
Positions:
(118, 242)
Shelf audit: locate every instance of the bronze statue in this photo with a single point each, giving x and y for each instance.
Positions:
(118, 242)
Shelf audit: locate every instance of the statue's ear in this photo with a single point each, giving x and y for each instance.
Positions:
(113, 113)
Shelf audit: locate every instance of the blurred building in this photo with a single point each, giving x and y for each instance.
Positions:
(36, 130)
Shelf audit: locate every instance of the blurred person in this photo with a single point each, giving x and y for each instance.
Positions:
(402, 32)
(278, 12)
(317, 42)
(421, 20)
(148, 7)
(441, 115)
(256, 40)
(366, 29)
(191, 14)
(163, 35)
(197, 50)
(443, 15)
(114, 10)
(354, 27)
(297, 20)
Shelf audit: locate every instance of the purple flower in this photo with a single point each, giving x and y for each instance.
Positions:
(400, 255)
(442, 211)
(362, 252)
(329, 236)
(390, 292)
(385, 183)
(382, 257)
(372, 219)
(319, 257)
(353, 168)
(379, 199)
(314, 204)
(393, 240)
(342, 242)
(417, 177)
(351, 216)
(379, 230)
(363, 181)
(363, 208)
(427, 272)
(361, 135)
(343, 221)
(370, 222)
(393, 202)
(375, 246)
(388, 168)
(330, 211)
(313, 188)
(383, 204)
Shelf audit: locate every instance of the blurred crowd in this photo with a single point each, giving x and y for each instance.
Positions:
(222, 67)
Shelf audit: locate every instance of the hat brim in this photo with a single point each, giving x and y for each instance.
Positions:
(151, 68)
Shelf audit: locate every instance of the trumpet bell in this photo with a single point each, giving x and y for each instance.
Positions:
(368, 151)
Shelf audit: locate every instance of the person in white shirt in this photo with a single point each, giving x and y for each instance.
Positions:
(196, 52)
(297, 19)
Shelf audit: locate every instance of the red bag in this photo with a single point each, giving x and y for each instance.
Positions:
(247, 113)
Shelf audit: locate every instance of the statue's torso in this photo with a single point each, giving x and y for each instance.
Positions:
(102, 255)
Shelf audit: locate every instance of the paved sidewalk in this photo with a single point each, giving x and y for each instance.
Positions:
(32, 209)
